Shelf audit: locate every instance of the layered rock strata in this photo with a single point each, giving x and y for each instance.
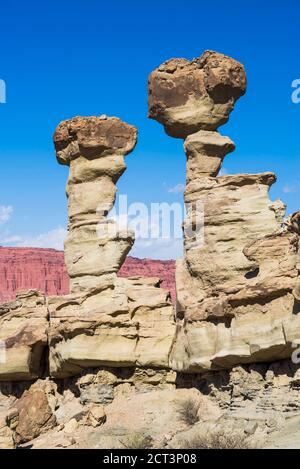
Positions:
(128, 325)
(23, 337)
(265, 395)
(105, 407)
(238, 291)
(238, 285)
(32, 269)
(164, 270)
(94, 148)
(105, 320)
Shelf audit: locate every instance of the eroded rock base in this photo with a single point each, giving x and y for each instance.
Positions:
(126, 408)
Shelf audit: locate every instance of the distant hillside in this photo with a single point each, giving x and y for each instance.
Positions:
(44, 270)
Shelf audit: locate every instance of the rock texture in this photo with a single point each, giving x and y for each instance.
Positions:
(94, 148)
(92, 368)
(188, 96)
(164, 270)
(127, 325)
(238, 285)
(132, 411)
(23, 335)
(44, 270)
(113, 408)
(35, 412)
(6, 434)
(105, 320)
(205, 152)
(267, 393)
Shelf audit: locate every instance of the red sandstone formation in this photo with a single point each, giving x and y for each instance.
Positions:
(25, 268)
(44, 270)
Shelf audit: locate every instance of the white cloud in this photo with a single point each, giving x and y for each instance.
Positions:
(11, 239)
(157, 248)
(290, 189)
(5, 213)
(51, 239)
(178, 189)
(143, 248)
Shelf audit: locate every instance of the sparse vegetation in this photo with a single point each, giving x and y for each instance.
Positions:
(188, 411)
(218, 440)
(138, 441)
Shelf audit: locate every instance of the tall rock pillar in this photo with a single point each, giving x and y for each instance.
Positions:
(237, 284)
(106, 320)
(94, 148)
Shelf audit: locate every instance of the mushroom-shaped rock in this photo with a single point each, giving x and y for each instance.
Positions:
(93, 137)
(94, 148)
(188, 96)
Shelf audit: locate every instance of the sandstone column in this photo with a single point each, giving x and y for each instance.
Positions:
(235, 284)
(106, 320)
(94, 148)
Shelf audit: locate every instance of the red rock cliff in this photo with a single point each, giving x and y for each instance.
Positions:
(44, 270)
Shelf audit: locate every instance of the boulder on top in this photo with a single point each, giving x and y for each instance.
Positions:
(188, 96)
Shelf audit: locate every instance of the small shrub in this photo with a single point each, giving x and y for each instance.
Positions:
(218, 440)
(188, 411)
(138, 441)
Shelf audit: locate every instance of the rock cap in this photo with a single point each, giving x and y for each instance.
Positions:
(188, 96)
(93, 137)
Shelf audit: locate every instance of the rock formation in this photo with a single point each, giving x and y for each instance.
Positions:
(240, 274)
(189, 96)
(32, 269)
(164, 270)
(23, 335)
(124, 325)
(44, 270)
(94, 148)
(79, 370)
(105, 320)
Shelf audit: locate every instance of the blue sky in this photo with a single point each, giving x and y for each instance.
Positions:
(61, 59)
